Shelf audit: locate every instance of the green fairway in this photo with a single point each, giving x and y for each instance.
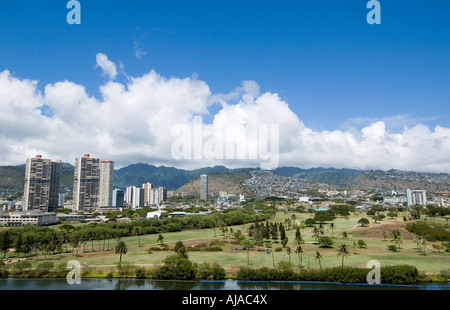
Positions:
(232, 257)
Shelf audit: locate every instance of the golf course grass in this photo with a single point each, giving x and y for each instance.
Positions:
(232, 257)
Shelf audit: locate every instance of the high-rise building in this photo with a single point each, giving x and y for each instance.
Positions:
(41, 184)
(416, 197)
(157, 196)
(118, 198)
(86, 183)
(106, 183)
(138, 198)
(61, 200)
(147, 187)
(204, 187)
(129, 195)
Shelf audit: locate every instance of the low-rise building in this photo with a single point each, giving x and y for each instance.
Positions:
(32, 217)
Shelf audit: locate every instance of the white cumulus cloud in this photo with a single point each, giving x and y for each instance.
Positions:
(108, 67)
(134, 122)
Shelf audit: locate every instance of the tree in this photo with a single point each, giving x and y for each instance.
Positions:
(392, 215)
(176, 267)
(121, 249)
(309, 222)
(274, 232)
(397, 238)
(284, 241)
(423, 246)
(361, 244)
(160, 239)
(319, 257)
(324, 216)
(363, 221)
(18, 244)
(298, 236)
(378, 217)
(299, 252)
(344, 235)
(247, 244)
(181, 249)
(316, 233)
(282, 232)
(343, 252)
(137, 231)
(325, 242)
(5, 242)
(332, 229)
(288, 253)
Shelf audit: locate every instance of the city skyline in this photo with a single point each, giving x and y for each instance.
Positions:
(344, 93)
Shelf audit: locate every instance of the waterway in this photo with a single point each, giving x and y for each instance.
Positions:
(133, 284)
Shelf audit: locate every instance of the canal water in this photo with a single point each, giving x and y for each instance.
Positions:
(133, 284)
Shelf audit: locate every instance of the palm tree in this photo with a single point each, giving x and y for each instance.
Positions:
(316, 233)
(299, 251)
(397, 238)
(343, 252)
(319, 257)
(354, 247)
(247, 244)
(138, 231)
(288, 251)
(121, 248)
(423, 246)
(332, 229)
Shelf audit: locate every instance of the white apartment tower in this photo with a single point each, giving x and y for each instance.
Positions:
(106, 183)
(41, 187)
(204, 187)
(416, 197)
(86, 183)
(147, 187)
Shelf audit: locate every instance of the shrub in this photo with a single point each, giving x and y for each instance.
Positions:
(325, 242)
(126, 270)
(392, 248)
(204, 270)
(403, 274)
(400, 274)
(429, 233)
(176, 267)
(19, 267)
(140, 273)
(218, 273)
(44, 268)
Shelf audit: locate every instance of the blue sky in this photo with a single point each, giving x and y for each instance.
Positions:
(321, 57)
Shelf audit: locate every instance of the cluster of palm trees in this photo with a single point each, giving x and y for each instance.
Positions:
(395, 236)
(49, 241)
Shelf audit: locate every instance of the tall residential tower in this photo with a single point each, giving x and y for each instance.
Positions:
(106, 183)
(86, 183)
(41, 184)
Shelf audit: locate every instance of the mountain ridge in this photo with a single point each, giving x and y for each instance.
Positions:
(174, 178)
